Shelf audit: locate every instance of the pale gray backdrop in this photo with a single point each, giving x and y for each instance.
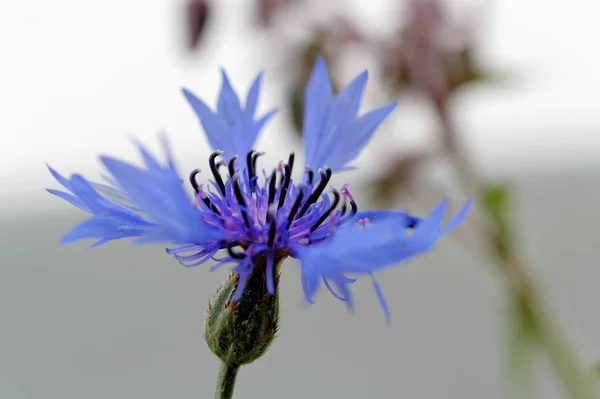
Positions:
(121, 322)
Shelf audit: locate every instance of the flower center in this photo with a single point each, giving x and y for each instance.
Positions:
(278, 214)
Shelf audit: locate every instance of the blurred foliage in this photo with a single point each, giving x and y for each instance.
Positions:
(419, 57)
(495, 200)
(397, 178)
(522, 344)
(460, 69)
(266, 10)
(296, 106)
(596, 370)
(313, 49)
(530, 325)
(522, 330)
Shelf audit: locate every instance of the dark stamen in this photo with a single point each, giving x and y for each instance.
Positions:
(240, 199)
(282, 179)
(413, 222)
(314, 196)
(272, 182)
(353, 211)
(344, 205)
(272, 227)
(215, 171)
(231, 166)
(286, 184)
(295, 207)
(193, 181)
(291, 161)
(311, 176)
(328, 172)
(254, 157)
(249, 164)
(235, 255)
(203, 197)
(334, 203)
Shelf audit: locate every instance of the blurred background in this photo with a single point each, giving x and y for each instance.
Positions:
(498, 99)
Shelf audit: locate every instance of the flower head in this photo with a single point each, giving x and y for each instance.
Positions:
(251, 213)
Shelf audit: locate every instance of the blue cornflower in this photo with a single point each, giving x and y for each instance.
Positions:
(249, 216)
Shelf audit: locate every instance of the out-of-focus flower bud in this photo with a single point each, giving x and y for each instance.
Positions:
(266, 10)
(197, 12)
(430, 54)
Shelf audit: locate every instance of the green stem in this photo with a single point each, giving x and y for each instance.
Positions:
(568, 368)
(226, 381)
(575, 377)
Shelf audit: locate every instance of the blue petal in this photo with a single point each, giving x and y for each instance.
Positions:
(158, 192)
(310, 281)
(231, 128)
(381, 298)
(460, 215)
(317, 96)
(362, 250)
(356, 136)
(110, 220)
(341, 110)
(333, 135)
(214, 128)
(252, 98)
(69, 198)
(115, 195)
(403, 219)
(62, 180)
(106, 229)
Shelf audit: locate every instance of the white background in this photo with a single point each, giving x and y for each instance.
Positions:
(80, 78)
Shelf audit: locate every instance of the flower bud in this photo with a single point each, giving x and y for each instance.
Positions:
(240, 332)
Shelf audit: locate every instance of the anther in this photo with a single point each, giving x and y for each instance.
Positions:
(272, 227)
(249, 159)
(311, 176)
(363, 222)
(353, 211)
(240, 199)
(295, 207)
(235, 255)
(193, 181)
(215, 170)
(285, 185)
(334, 204)
(254, 158)
(314, 196)
(231, 166)
(344, 205)
(413, 222)
(199, 192)
(291, 161)
(251, 163)
(272, 181)
(281, 169)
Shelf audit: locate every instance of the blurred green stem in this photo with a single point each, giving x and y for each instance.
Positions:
(575, 378)
(226, 381)
(520, 284)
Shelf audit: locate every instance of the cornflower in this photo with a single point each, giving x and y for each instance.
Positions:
(261, 215)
